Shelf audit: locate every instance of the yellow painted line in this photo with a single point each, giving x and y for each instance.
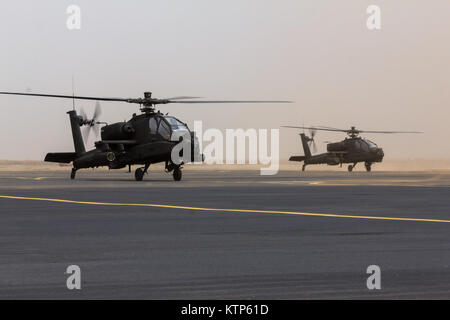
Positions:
(36, 179)
(223, 210)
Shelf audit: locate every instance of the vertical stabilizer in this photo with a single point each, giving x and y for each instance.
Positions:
(76, 133)
(305, 145)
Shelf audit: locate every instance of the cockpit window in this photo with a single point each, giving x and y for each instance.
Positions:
(356, 144)
(175, 124)
(371, 144)
(364, 145)
(164, 130)
(153, 124)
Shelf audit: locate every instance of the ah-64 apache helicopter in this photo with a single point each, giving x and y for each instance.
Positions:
(352, 150)
(145, 139)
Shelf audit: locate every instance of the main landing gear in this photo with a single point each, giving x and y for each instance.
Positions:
(73, 173)
(177, 174)
(139, 173)
(368, 166)
(175, 169)
(304, 167)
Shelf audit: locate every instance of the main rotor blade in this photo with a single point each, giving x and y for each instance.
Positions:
(369, 131)
(348, 130)
(182, 97)
(152, 101)
(230, 101)
(365, 131)
(325, 127)
(67, 96)
(314, 128)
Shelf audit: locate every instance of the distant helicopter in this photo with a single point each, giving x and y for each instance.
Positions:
(351, 150)
(145, 139)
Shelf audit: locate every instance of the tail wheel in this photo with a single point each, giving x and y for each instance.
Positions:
(177, 174)
(139, 174)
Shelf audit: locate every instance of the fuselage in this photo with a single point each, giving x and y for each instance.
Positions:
(350, 150)
(144, 139)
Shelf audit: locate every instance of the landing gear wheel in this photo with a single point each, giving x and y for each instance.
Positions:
(303, 167)
(350, 168)
(177, 174)
(139, 174)
(73, 173)
(368, 167)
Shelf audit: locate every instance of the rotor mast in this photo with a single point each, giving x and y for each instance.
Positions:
(353, 133)
(147, 107)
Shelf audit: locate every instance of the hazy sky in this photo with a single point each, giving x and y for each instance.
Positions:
(318, 53)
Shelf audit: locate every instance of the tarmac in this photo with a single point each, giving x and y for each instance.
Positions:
(225, 234)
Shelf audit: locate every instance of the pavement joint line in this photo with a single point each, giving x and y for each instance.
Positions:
(222, 210)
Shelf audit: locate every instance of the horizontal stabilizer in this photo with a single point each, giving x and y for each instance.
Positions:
(297, 158)
(62, 157)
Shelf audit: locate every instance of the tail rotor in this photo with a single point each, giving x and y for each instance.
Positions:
(311, 141)
(91, 124)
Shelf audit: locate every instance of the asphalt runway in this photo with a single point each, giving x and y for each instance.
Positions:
(290, 236)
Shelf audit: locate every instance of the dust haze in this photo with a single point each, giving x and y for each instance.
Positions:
(318, 53)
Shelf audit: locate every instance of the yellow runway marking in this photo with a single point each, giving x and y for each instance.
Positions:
(224, 210)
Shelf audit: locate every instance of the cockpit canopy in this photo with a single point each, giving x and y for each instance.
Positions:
(371, 144)
(165, 126)
(175, 124)
(364, 145)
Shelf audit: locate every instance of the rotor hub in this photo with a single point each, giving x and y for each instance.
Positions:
(147, 95)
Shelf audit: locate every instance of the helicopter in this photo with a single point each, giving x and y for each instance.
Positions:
(352, 149)
(145, 139)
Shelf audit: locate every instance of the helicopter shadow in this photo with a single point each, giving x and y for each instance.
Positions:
(123, 180)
